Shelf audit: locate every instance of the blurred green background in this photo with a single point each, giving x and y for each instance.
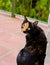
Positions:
(38, 9)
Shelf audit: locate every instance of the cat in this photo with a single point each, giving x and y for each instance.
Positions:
(34, 51)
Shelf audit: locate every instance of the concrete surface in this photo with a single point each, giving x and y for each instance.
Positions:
(12, 39)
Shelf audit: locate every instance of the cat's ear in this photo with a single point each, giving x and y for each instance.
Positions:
(25, 18)
(35, 23)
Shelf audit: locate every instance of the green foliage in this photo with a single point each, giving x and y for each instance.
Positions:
(5, 5)
(24, 7)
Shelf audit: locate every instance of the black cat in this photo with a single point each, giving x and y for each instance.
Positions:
(34, 51)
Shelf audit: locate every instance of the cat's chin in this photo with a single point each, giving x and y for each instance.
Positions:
(24, 32)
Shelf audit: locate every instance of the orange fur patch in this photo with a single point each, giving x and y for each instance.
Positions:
(25, 26)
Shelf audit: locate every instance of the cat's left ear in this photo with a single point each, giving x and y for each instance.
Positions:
(25, 18)
(35, 23)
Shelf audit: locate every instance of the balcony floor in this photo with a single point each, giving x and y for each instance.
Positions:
(12, 39)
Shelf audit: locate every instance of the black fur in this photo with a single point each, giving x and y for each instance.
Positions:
(34, 51)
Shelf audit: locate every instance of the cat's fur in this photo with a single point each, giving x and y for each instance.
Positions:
(34, 51)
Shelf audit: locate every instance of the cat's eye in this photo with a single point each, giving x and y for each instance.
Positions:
(28, 28)
(23, 25)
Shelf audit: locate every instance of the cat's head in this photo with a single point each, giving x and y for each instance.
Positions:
(27, 25)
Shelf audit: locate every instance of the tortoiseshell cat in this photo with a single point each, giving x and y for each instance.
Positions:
(34, 51)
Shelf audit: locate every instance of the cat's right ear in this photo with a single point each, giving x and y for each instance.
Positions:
(35, 23)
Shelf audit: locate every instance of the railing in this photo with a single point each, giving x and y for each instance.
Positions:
(32, 8)
(30, 4)
(13, 7)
